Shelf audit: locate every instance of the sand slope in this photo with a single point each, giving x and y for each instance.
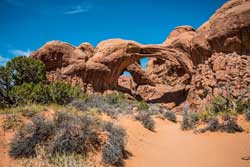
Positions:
(169, 146)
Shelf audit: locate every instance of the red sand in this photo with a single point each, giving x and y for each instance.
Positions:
(169, 146)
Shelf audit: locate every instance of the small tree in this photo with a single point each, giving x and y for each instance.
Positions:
(5, 87)
(26, 70)
(18, 71)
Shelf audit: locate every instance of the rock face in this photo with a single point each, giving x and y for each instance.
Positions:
(190, 66)
(226, 31)
(100, 67)
(220, 75)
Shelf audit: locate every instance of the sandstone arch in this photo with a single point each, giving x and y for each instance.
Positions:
(101, 67)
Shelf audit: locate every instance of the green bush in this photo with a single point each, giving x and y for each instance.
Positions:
(61, 93)
(228, 104)
(26, 70)
(142, 105)
(5, 87)
(56, 92)
(40, 94)
(219, 104)
(18, 71)
(21, 94)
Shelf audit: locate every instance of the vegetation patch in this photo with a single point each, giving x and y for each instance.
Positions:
(12, 122)
(113, 152)
(247, 115)
(228, 124)
(146, 120)
(67, 136)
(169, 115)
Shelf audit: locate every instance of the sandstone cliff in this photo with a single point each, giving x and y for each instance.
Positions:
(190, 66)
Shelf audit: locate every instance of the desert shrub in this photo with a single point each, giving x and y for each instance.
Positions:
(219, 104)
(194, 118)
(229, 104)
(79, 104)
(28, 110)
(156, 109)
(43, 159)
(114, 98)
(213, 125)
(185, 125)
(12, 121)
(247, 115)
(113, 151)
(56, 92)
(26, 139)
(67, 133)
(205, 116)
(230, 125)
(60, 92)
(21, 94)
(5, 87)
(116, 134)
(69, 160)
(40, 94)
(142, 105)
(98, 102)
(146, 120)
(76, 134)
(169, 115)
(112, 154)
(242, 106)
(105, 104)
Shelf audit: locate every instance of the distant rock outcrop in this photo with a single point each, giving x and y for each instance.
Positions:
(223, 74)
(191, 65)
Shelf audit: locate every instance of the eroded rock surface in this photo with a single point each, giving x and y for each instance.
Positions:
(191, 65)
(223, 74)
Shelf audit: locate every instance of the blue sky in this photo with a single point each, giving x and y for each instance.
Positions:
(25, 25)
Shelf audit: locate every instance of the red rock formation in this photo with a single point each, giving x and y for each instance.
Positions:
(222, 74)
(201, 61)
(226, 31)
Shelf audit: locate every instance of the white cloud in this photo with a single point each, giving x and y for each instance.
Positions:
(3, 60)
(18, 52)
(78, 9)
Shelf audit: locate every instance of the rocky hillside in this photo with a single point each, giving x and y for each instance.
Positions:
(189, 66)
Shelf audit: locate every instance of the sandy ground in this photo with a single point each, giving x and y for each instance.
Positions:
(5, 160)
(169, 146)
